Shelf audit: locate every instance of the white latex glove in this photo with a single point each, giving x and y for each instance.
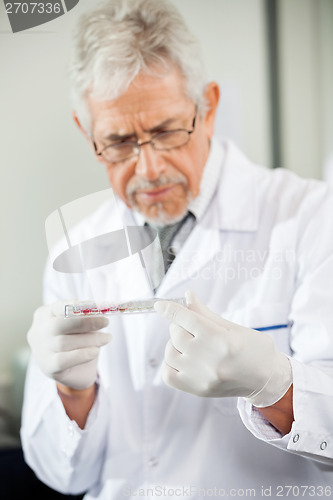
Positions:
(210, 356)
(67, 349)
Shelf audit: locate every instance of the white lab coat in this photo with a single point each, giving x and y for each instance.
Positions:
(262, 256)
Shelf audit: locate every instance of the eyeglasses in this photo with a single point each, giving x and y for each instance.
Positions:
(162, 141)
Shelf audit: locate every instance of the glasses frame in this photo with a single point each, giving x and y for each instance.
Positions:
(138, 144)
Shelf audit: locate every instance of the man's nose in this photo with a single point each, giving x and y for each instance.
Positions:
(148, 164)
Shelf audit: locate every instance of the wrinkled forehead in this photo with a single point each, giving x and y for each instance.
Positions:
(148, 101)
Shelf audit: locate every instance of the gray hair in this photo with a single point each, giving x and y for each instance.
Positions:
(121, 38)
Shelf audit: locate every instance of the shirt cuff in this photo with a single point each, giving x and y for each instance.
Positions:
(256, 423)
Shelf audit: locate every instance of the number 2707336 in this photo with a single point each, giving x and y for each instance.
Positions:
(33, 8)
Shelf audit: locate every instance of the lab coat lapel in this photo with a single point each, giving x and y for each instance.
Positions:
(234, 208)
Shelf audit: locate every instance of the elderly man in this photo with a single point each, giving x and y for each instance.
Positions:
(233, 394)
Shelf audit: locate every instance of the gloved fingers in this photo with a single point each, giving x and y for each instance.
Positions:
(177, 379)
(70, 342)
(182, 362)
(49, 311)
(52, 318)
(194, 304)
(193, 322)
(186, 373)
(172, 356)
(170, 375)
(180, 338)
(180, 315)
(60, 326)
(63, 360)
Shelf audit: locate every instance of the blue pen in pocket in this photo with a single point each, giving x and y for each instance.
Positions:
(274, 327)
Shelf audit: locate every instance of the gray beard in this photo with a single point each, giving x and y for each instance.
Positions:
(162, 219)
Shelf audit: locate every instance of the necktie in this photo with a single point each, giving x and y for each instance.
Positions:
(174, 233)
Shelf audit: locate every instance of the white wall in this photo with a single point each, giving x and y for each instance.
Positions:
(326, 85)
(46, 163)
(234, 48)
(306, 48)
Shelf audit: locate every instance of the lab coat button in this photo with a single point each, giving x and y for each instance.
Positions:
(71, 430)
(323, 445)
(153, 362)
(296, 438)
(153, 462)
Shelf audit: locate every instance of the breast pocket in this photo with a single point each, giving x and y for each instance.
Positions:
(271, 318)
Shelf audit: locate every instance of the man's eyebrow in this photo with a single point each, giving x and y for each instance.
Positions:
(119, 137)
(161, 125)
(124, 137)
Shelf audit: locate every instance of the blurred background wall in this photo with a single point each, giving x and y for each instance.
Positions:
(273, 61)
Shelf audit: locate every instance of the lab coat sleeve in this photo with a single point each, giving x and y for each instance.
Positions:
(62, 455)
(311, 341)
(65, 457)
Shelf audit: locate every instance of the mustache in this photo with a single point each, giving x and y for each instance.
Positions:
(163, 180)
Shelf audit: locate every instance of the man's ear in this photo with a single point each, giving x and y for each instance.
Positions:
(78, 123)
(212, 96)
(86, 135)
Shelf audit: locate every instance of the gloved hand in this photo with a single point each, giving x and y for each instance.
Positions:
(210, 356)
(67, 349)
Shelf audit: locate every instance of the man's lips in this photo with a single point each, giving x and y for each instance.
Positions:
(156, 194)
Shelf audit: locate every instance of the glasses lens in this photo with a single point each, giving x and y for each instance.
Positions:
(119, 152)
(170, 140)
(161, 141)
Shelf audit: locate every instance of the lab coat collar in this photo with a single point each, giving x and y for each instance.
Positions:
(237, 203)
(209, 180)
